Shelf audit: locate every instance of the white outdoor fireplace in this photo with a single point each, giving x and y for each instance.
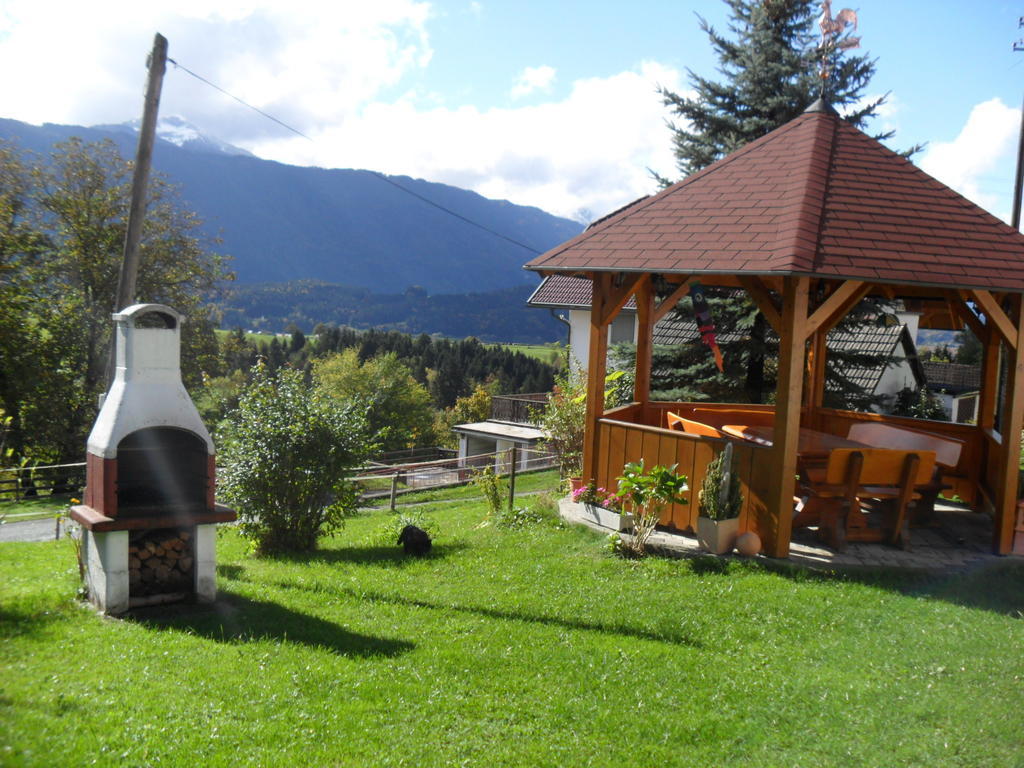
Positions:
(149, 518)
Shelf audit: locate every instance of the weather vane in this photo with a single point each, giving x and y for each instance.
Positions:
(831, 29)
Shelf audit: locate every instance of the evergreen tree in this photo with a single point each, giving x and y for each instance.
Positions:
(772, 68)
(970, 350)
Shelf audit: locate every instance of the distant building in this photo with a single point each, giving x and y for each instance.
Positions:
(957, 386)
(513, 422)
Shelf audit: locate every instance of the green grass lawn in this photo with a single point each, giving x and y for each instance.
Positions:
(531, 647)
(35, 508)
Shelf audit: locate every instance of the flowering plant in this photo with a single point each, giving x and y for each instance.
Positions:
(591, 494)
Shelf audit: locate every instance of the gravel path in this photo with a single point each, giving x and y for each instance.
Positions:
(29, 530)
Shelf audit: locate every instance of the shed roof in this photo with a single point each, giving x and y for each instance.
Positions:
(814, 197)
(953, 378)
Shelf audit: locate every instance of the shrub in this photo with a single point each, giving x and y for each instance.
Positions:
(493, 489)
(710, 499)
(648, 492)
(286, 450)
(564, 420)
(541, 509)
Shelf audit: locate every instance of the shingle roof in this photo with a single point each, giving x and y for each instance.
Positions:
(569, 292)
(881, 342)
(954, 378)
(815, 196)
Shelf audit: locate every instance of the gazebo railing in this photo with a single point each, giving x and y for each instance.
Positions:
(624, 438)
(636, 431)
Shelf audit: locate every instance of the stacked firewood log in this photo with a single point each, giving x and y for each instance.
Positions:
(160, 562)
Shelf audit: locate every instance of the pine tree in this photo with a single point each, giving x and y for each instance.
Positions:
(772, 67)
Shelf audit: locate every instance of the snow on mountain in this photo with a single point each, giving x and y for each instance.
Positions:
(178, 131)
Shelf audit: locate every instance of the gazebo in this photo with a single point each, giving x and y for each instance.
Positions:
(808, 220)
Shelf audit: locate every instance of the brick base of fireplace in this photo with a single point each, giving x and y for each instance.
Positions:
(108, 571)
(105, 561)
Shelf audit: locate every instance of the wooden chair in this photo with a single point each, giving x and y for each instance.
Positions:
(681, 424)
(947, 456)
(883, 480)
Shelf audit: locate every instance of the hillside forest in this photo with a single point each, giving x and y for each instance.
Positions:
(62, 225)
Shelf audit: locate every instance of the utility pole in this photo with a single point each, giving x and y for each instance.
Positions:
(1018, 182)
(157, 64)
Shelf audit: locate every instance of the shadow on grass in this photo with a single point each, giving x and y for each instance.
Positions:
(236, 619)
(610, 628)
(386, 556)
(995, 585)
(21, 620)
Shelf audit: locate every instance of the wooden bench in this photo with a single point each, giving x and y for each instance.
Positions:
(717, 417)
(946, 449)
(691, 427)
(852, 478)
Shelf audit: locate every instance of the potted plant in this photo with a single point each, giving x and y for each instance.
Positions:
(602, 507)
(647, 493)
(719, 502)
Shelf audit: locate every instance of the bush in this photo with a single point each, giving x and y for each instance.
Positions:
(541, 509)
(564, 420)
(286, 450)
(647, 493)
(710, 496)
(494, 490)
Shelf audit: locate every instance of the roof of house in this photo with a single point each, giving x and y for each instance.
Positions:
(814, 197)
(883, 342)
(517, 433)
(564, 291)
(954, 378)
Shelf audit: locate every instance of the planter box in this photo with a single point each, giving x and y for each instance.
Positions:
(717, 536)
(608, 518)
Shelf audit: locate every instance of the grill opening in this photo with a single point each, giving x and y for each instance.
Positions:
(161, 470)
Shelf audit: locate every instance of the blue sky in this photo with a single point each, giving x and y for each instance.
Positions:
(543, 103)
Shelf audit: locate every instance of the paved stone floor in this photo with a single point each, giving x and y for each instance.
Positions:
(961, 538)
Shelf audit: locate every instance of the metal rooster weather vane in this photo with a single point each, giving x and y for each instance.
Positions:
(831, 29)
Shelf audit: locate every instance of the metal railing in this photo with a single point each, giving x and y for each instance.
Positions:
(519, 409)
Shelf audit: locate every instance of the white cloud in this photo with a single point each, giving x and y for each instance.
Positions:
(984, 147)
(533, 79)
(332, 72)
(306, 62)
(590, 150)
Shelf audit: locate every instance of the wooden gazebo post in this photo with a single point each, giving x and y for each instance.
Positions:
(1006, 490)
(789, 396)
(609, 293)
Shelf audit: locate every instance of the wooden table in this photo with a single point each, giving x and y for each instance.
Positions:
(811, 442)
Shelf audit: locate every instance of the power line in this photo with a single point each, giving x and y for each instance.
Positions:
(450, 212)
(243, 103)
(378, 174)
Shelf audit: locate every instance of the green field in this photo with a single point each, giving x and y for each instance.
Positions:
(542, 352)
(255, 338)
(530, 647)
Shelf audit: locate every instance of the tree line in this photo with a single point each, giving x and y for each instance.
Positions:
(416, 387)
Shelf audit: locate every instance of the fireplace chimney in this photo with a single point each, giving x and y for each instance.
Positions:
(150, 475)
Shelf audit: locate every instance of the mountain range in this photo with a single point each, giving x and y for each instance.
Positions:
(351, 229)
